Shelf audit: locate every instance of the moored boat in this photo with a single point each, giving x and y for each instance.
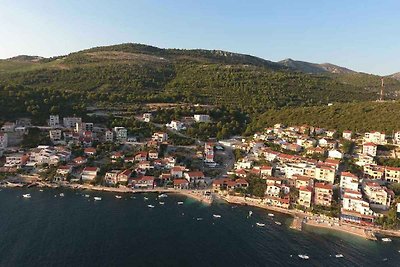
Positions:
(180, 202)
(97, 198)
(61, 194)
(26, 195)
(271, 215)
(260, 224)
(304, 257)
(217, 216)
(339, 255)
(386, 239)
(163, 195)
(150, 206)
(161, 203)
(118, 197)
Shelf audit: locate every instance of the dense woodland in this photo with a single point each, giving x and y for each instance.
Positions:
(241, 88)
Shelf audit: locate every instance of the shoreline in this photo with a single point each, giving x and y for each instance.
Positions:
(194, 194)
(301, 219)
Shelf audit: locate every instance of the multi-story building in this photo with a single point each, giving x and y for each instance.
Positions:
(348, 181)
(305, 196)
(109, 136)
(323, 194)
(325, 173)
(89, 174)
(70, 122)
(160, 137)
(378, 195)
(355, 209)
(3, 140)
(54, 120)
(201, 118)
(369, 149)
(176, 125)
(373, 171)
(392, 174)
(347, 135)
(121, 134)
(375, 137)
(55, 135)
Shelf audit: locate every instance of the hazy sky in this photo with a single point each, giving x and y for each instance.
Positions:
(363, 35)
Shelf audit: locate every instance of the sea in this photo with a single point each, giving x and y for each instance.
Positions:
(76, 230)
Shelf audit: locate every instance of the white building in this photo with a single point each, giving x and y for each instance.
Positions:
(160, 137)
(15, 160)
(201, 118)
(396, 138)
(369, 149)
(55, 135)
(8, 127)
(54, 120)
(335, 154)
(348, 181)
(147, 117)
(109, 136)
(121, 134)
(89, 174)
(176, 125)
(347, 135)
(355, 208)
(375, 137)
(70, 122)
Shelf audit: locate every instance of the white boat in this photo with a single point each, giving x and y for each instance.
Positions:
(180, 203)
(145, 198)
(250, 213)
(199, 219)
(97, 198)
(118, 197)
(386, 239)
(162, 195)
(217, 216)
(339, 255)
(26, 195)
(271, 215)
(278, 223)
(87, 196)
(41, 190)
(260, 224)
(161, 203)
(304, 257)
(150, 206)
(61, 194)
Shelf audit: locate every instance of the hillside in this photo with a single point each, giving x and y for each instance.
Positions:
(314, 68)
(395, 76)
(129, 74)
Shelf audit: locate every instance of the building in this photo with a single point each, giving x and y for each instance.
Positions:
(176, 125)
(375, 137)
(3, 140)
(301, 181)
(54, 120)
(147, 117)
(325, 173)
(8, 127)
(335, 154)
(121, 134)
(347, 135)
(143, 182)
(55, 135)
(201, 118)
(369, 149)
(392, 174)
(378, 196)
(348, 181)
(89, 174)
(373, 171)
(305, 197)
(323, 194)
(181, 184)
(355, 209)
(70, 122)
(396, 137)
(109, 136)
(160, 137)
(16, 160)
(194, 176)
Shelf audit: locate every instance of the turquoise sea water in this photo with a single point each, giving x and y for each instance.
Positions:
(49, 230)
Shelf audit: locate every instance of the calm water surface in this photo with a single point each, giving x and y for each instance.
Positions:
(49, 230)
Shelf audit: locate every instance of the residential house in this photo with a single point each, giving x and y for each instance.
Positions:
(181, 184)
(348, 181)
(355, 209)
(378, 196)
(325, 173)
(121, 134)
(194, 176)
(305, 196)
(143, 182)
(160, 137)
(89, 174)
(392, 174)
(3, 140)
(375, 137)
(323, 194)
(201, 118)
(370, 149)
(347, 135)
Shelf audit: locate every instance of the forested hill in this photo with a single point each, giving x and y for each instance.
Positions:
(126, 74)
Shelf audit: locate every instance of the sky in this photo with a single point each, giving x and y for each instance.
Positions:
(363, 35)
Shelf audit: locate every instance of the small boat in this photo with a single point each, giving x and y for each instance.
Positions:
(250, 213)
(61, 194)
(339, 256)
(145, 198)
(97, 198)
(199, 219)
(271, 215)
(163, 195)
(41, 190)
(150, 206)
(278, 223)
(87, 196)
(118, 197)
(304, 257)
(217, 216)
(386, 239)
(260, 224)
(26, 195)
(161, 203)
(180, 203)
